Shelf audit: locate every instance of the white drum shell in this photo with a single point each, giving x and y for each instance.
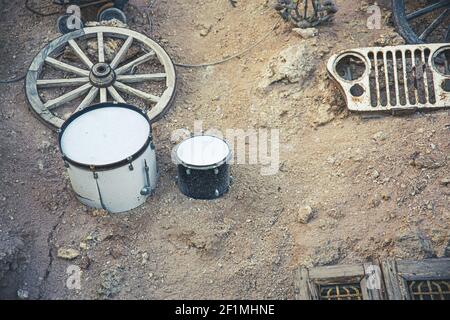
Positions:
(118, 189)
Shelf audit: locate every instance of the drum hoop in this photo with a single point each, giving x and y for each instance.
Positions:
(206, 167)
(113, 165)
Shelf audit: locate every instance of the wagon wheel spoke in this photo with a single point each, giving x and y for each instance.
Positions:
(115, 95)
(428, 9)
(146, 57)
(80, 53)
(122, 52)
(136, 92)
(55, 83)
(103, 95)
(66, 67)
(69, 96)
(101, 47)
(88, 99)
(141, 77)
(438, 21)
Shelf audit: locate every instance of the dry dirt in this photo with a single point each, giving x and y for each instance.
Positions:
(375, 187)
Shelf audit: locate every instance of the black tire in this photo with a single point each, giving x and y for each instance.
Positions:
(401, 23)
(403, 26)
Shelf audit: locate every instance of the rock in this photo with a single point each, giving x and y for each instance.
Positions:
(379, 136)
(205, 29)
(110, 282)
(306, 33)
(22, 294)
(294, 64)
(144, 258)
(425, 162)
(11, 253)
(68, 253)
(305, 214)
(322, 116)
(447, 250)
(445, 181)
(329, 253)
(413, 245)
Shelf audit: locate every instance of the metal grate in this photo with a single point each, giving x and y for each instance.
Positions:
(340, 292)
(394, 78)
(429, 289)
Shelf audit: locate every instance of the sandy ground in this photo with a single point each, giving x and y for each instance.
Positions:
(375, 187)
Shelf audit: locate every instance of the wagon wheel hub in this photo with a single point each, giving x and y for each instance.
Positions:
(102, 75)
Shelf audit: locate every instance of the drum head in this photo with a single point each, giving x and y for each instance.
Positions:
(104, 134)
(201, 151)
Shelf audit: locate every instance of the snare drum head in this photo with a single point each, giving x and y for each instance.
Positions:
(201, 151)
(104, 135)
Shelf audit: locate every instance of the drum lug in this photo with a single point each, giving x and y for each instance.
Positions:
(188, 171)
(66, 164)
(216, 192)
(130, 166)
(95, 175)
(216, 171)
(145, 191)
(152, 145)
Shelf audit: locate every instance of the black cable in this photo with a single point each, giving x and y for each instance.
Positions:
(42, 14)
(13, 79)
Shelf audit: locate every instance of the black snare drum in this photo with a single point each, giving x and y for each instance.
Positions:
(203, 167)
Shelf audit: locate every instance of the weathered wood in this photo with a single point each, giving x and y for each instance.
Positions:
(138, 61)
(66, 67)
(122, 52)
(101, 47)
(88, 99)
(429, 269)
(369, 292)
(141, 77)
(333, 273)
(69, 96)
(391, 280)
(103, 95)
(55, 83)
(56, 47)
(301, 286)
(80, 53)
(135, 92)
(115, 95)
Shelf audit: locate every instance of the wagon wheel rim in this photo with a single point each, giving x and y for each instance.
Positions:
(96, 79)
(403, 20)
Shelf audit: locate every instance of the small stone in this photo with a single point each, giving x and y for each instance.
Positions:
(68, 253)
(306, 33)
(445, 181)
(22, 294)
(84, 246)
(379, 136)
(374, 174)
(144, 258)
(305, 214)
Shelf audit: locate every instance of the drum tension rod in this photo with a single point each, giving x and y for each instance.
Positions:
(146, 189)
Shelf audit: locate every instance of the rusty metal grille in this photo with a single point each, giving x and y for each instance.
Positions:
(394, 78)
(341, 292)
(429, 289)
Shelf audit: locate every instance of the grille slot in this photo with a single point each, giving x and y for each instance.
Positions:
(429, 289)
(341, 292)
(397, 78)
(388, 71)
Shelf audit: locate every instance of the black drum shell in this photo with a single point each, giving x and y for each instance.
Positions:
(199, 183)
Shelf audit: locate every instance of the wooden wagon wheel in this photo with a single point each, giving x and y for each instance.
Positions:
(95, 73)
